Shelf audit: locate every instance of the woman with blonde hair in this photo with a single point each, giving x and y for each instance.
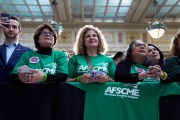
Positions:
(89, 64)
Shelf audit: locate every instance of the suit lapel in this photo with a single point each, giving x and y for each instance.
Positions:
(3, 53)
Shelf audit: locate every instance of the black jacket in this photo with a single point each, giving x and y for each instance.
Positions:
(123, 74)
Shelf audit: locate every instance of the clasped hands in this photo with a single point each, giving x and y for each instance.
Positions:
(152, 72)
(34, 77)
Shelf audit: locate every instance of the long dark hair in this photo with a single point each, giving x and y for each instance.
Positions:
(128, 57)
(118, 55)
(161, 60)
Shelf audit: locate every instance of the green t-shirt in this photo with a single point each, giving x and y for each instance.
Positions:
(57, 62)
(173, 64)
(138, 68)
(121, 101)
(78, 65)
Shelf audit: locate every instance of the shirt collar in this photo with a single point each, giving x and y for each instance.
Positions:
(14, 44)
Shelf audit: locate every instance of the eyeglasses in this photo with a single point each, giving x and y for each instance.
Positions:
(47, 33)
(139, 45)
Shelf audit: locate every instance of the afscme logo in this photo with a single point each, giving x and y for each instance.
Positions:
(118, 91)
(48, 70)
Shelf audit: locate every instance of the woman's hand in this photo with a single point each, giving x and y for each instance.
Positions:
(103, 78)
(25, 77)
(37, 76)
(34, 77)
(144, 74)
(71, 79)
(155, 71)
(86, 78)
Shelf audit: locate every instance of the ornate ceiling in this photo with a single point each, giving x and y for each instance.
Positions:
(110, 12)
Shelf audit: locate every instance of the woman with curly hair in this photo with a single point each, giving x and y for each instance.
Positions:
(173, 63)
(89, 64)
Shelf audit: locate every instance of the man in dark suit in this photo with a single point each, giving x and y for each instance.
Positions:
(11, 50)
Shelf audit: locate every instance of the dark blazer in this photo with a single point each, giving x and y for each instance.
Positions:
(6, 69)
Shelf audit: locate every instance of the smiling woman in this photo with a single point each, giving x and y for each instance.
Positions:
(46, 65)
(155, 54)
(90, 65)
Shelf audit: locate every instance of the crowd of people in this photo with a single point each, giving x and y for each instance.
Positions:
(141, 63)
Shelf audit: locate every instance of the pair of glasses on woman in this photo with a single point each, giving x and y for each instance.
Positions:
(140, 45)
(47, 33)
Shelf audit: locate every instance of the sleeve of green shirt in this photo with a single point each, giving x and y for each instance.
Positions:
(112, 68)
(62, 63)
(71, 67)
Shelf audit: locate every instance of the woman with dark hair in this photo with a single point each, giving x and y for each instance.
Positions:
(155, 54)
(45, 64)
(135, 66)
(156, 57)
(173, 63)
(118, 57)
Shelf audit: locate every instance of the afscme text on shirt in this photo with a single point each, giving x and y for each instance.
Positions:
(122, 92)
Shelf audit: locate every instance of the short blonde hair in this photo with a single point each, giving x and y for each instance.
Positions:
(174, 44)
(79, 47)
